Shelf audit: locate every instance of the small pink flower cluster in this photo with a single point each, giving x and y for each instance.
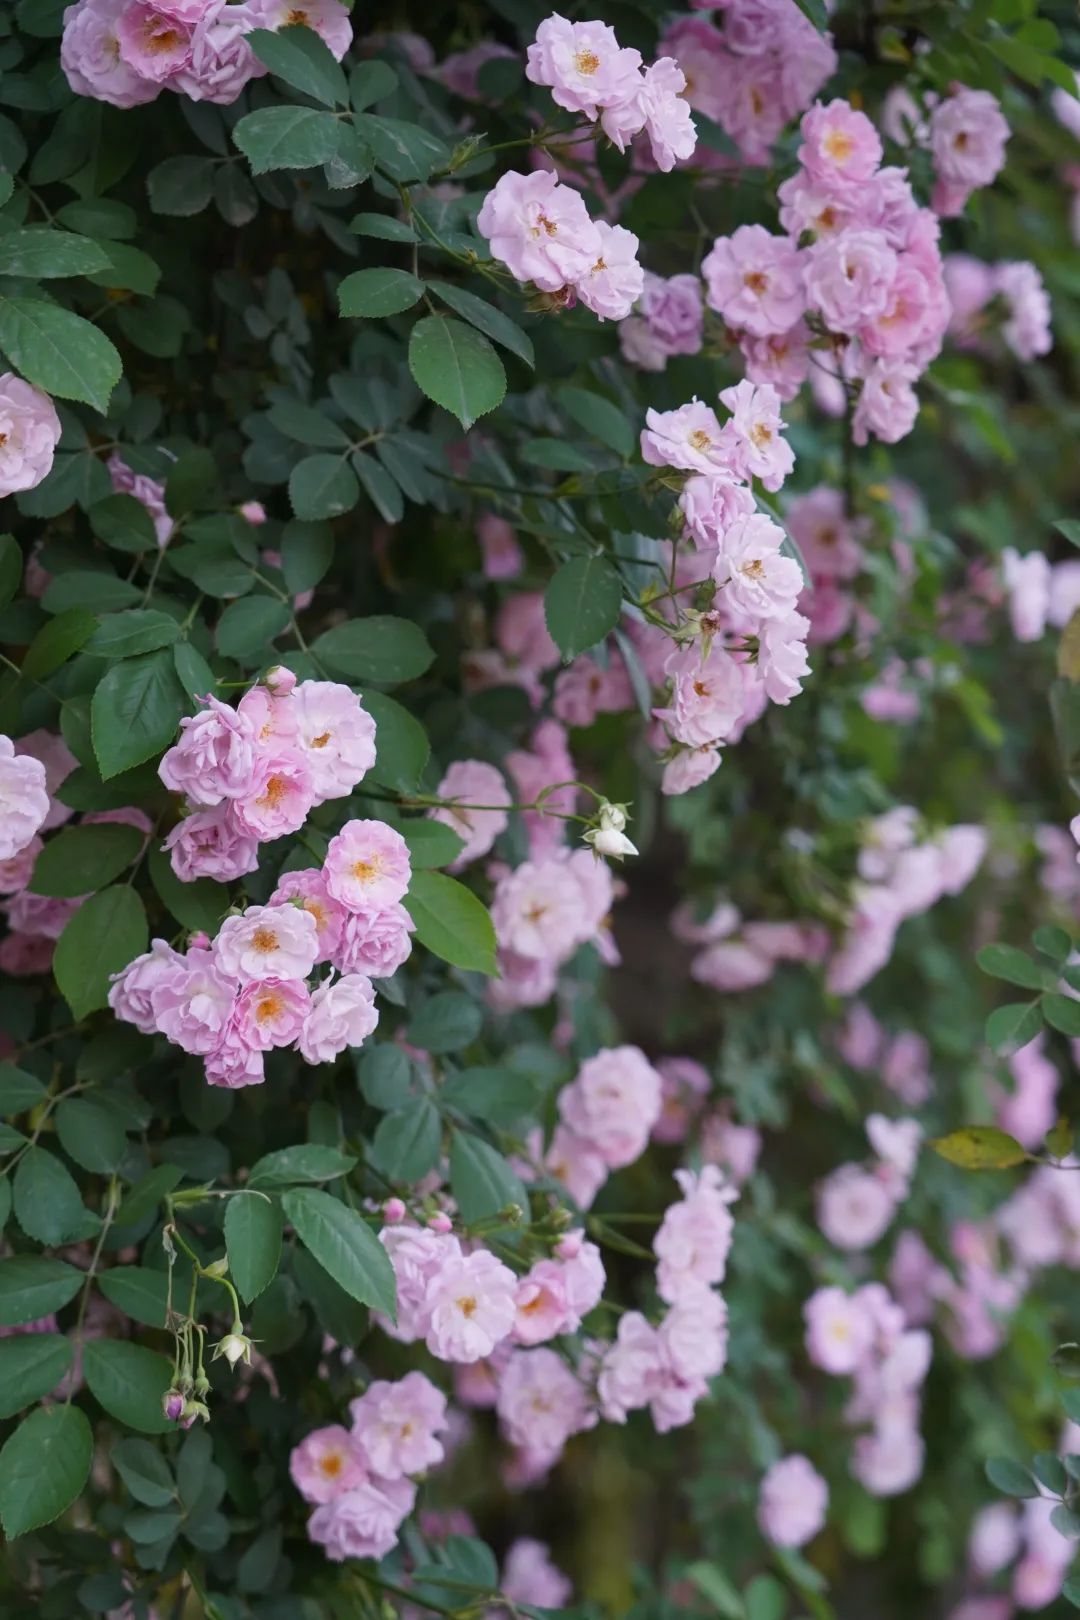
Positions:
(977, 1300)
(541, 230)
(127, 51)
(901, 1062)
(1007, 299)
(478, 795)
(668, 320)
(1039, 594)
(29, 434)
(737, 956)
(830, 545)
(968, 134)
(1020, 1534)
(870, 283)
(864, 1336)
(761, 69)
(150, 491)
(901, 873)
(543, 911)
(589, 72)
(465, 1304)
(857, 1202)
(232, 1000)
(32, 769)
(254, 773)
(361, 1478)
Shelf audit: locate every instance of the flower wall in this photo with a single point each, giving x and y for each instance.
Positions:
(539, 749)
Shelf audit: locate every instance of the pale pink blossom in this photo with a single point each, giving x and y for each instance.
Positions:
(502, 555)
(583, 65)
(336, 736)
(968, 134)
(849, 278)
(213, 844)
(1027, 580)
(418, 1256)
(613, 1103)
(708, 696)
(754, 280)
(820, 526)
(539, 229)
(24, 798)
(271, 1012)
(264, 942)
(131, 995)
(693, 1336)
(688, 769)
(542, 1308)
(327, 18)
(342, 1014)
(753, 437)
(397, 1425)
(792, 1502)
(91, 60)
(613, 282)
(363, 1522)
(840, 145)
(193, 1005)
(758, 581)
(854, 1207)
(307, 890)
(689, 438)
(694, 1237)
(529, 1576)
(149, 491)
(367, 866)
(374, 942)
(540, 1402)
(888, 404)
(29, 434)
(480, 817)
(155, 38)
(326, 1463)
(283, 799)
(216, 756)
(537, 910)
(221, 62)
(839, 1330)
(577, 1163)
(471, 1307)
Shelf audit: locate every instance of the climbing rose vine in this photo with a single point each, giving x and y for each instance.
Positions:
(539, 747)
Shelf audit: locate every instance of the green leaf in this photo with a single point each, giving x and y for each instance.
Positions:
(80, 860)
(1015, 966)
(252, 1242)
(403, 150)
(135, 711)
(431, 843)
(300, 58)
(446, 1022)
(979, 1147)
(181, 186)
(103, 936)
(58, 351)
(32, 1287)
(498, 1095)
(139, 630)
(309, 1161)
(342, 1317)
(379, 486)
(384, 1074)
(122, 521)
(201, 904)
(307, 550)
(248, 628)
(380, 648)
(90, 1134)
(43, 1467)
(383, 226)
(1013, 1025)
(322, 487)
(1063, 1013)
(145, 1472)
(456, 367)
(129, 269)
(39, 252)
(138, 1291)
(1059, 1141)
(344, 1245)
(47, 1202)
(148, 1193)
(714, 1584)
(1066, 1360)
(1049, 1470)
(370, 82)
(487, 319)
(1070, 528)
(406, 1144)
(286, 138)
(401, 745)
(30, 1366)
(371, 293)
(601, 418)
(129, 1381)
(451, 922)
(18, 1091)
(481, 1180)
(582, 604)
(1053, 942)
(765, 1599)
(816, 11)
(1010, 1477)
(307, 425)
(56, 641)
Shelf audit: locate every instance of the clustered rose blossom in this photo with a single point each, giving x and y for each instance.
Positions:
(792, 1502)
(543, 911)
(967, 138)
(24, 799)
(858, 274)
(232, 999)
(127, 51)
(1024, 1536)
(864, 1336)
(736, 956)
(590, 73)
(29, 434)
(1007, 300)
(902, 872)
(668, 319)
(254, 773)
(476, 812)
(541, 230)
(856, 1203)
(751, 70)
(360, 1478)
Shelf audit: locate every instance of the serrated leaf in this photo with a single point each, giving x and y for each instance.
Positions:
(300, 58)
(487, 319)
(582, 604)
(129, 1381)
(378, 292)
(456, 367)
(58, 351)
(31, 1365)
(286, 138)
(1013, 1025)
(380, 648)
(344, 1245)
(252, 1242)
(103, 936)
(481, 1179)
(32, 1286)
(451, 922)
(43, 1467)
(135, 711)
(1063, 1013)
(80, 860)
(1015, 966)
(1010, 1477)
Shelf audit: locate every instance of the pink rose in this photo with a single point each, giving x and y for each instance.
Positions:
(342, 1014)
(24, 800)
(29, 434)
(367, 866)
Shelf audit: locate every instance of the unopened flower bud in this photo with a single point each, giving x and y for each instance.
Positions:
(441, 1223)
(172, 1404)
(199, 941)
(253, 512)
(217, 1268)
(279, 680)
(393, 1211)
(610, 841)
(193, 1410)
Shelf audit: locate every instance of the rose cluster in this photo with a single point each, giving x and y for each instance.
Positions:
(24, 800)
(127, 51)
(254, 773)
(544, 910)
(760, 68)
(864, 1336)
(853, 293)
(589, 72)
(361, 1478)
(231, 1000)
(1006, 299)
(29, 434)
